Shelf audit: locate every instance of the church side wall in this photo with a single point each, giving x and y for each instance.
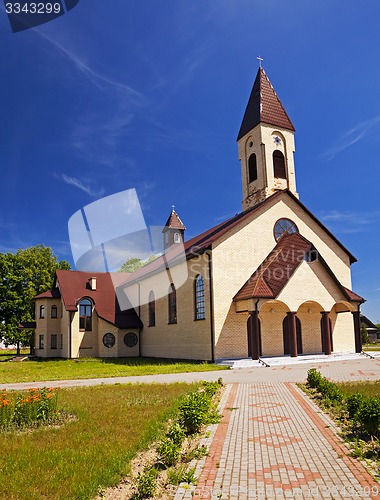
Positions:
(188, 338)
(119, 349)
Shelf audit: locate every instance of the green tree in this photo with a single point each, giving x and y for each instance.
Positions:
(365, 337)
(135, 263)
(23, 275)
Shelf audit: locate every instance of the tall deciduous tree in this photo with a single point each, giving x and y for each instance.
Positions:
(23, 275)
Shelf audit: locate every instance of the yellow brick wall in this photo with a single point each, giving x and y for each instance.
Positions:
(188, 338)
(310, 316)
(271, 328)
(263, 146)
(119, 349)
(343, 328)
(310, 282)
(47, 326)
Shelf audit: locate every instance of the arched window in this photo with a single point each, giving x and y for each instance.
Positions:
(42, 312)
(252, 168)
(152, 309)
(54, 312)
(172, 302)
(279, 165)
(177, 238)
(85, 315)
(199, 297)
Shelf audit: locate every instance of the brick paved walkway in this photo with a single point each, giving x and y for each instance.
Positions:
(274, 443)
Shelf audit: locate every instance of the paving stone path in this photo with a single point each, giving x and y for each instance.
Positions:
(274, 443)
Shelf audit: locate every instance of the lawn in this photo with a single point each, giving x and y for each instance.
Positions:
(84, 368)
(371, 347)
(366, 388)
(92, 451)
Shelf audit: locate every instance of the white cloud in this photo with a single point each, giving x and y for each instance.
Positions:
(97, 78)
(349, 221)
(350, 137)
(74, 181)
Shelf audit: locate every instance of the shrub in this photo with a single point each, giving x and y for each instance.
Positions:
(193, 411)
(146, 483)
(176, 433)
(328, 389)
(169, 452)
(313, 378)
(369, 415)
(353, 404)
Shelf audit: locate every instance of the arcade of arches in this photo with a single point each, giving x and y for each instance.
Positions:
(274, 330)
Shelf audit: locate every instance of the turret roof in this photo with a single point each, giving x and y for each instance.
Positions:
(174, 222)
(264, 106)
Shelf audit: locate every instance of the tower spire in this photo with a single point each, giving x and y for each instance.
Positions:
(266, 144)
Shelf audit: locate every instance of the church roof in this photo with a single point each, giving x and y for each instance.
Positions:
(205, 239)
(264, 106)
(74, 286)
(174, 222)
(278, 267)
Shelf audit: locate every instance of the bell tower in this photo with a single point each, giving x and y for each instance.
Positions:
(265, 145)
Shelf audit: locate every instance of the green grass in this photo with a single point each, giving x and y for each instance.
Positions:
(33, 371)
(366, 388)
(6, 354)
(91, 452)
(371, 347)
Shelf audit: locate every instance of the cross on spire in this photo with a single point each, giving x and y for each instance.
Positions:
(260, 59)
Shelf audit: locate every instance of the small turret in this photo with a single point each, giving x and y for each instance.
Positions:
(174, 230)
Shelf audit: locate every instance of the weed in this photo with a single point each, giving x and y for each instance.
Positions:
(146, 483)
(169, 452)
(181, 475)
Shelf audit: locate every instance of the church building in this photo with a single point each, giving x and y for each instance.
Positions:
(270, 281)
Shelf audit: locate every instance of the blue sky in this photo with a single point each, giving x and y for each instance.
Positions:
(150, 95)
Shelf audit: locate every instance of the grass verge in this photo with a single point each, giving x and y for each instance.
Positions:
(93, 450)
(355, 407)
(85, 368)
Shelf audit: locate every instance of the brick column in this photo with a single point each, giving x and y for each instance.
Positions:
(254, 333)
(292, 334)
(357, 330)
(326, 333)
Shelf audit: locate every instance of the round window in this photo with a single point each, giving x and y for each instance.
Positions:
(109, 340)
(284, 226)
(130, 339)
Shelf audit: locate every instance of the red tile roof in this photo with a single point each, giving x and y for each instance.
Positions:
(279, 266)
(50, 294)
(174, 222)
(264, 106)
(276, 270)
(27, 325)
(74, 285)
